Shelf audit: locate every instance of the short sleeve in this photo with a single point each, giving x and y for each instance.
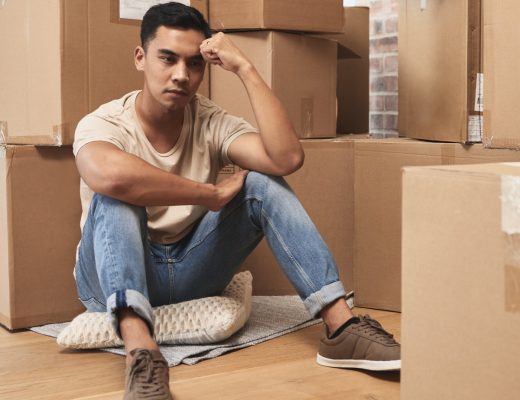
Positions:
(224, 128)
(93, 128)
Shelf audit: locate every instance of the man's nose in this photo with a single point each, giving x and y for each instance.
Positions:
(180, 72)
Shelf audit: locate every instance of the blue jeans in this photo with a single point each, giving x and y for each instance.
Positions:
(118, 266)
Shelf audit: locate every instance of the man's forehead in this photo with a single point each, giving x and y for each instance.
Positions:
(188, 36)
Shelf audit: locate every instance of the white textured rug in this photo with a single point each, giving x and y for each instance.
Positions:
(271, 317)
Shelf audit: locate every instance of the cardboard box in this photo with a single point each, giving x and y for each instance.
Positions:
(461, 283)
(301, 71)
(69, 58)
(39, 230)
(287, 15)
(353, 71)
(440, 71)
(324, 186)
(501, 63)
(377, 221)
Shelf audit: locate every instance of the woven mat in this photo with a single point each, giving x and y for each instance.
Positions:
(271, 317)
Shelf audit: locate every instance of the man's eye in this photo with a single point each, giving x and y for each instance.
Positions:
(167, 59)
(196, 63)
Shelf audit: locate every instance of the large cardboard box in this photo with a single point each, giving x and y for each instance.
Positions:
(501, 65)
(324, 186)
(61, 59)
(288, 15)
(353, 71)
(39, 230)
(301, 71)
(377, 221)
(440, 70)
(461, 283)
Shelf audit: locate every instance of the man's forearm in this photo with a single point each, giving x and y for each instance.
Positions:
(279, 138)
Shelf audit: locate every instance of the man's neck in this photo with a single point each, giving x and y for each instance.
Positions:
(162, 127)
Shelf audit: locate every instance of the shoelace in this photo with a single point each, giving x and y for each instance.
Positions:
(375, 329)
(146, 374)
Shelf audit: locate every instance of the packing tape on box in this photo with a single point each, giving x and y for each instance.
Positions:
(424, 4)
(510, 223)
(57, 134)
(510, 197)
(3, 132)
(307, 115)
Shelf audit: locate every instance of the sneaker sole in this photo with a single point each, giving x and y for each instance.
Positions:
(392, 365)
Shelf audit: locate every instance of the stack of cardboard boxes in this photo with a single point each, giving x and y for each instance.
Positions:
(52, 77)
(61, 59)
(460, 223)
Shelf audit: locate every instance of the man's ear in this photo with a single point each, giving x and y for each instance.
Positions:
(139, 58)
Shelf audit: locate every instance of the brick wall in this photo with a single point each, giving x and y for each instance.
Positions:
(383, 64)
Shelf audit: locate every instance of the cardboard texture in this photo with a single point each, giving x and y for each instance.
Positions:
(377, 221)
(439, 66)
(285, 61)
(288, 15)
(69, 58)
(324, 186)
(353, 71)
(501, 63)
(461, 283)
(39, 231)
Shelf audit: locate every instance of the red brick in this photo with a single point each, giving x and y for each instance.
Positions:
(390, 64)
(391, 25)
(386, 44)
(376, 121)
(376, 27)
(383, 84)
(376, 65)
(377, 103)
(390, 122)
(390, 103)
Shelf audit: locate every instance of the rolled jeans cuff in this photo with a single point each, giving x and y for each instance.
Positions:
(323, 297)
(129, 298)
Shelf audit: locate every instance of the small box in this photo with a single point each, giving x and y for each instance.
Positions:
(461, 282)
(440, 70)
(378, 215)
(40, 212)
(287, 15)
(501, 63)
(301, 71)
(61, 60)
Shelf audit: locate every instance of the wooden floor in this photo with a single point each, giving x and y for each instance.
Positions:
(33, 366)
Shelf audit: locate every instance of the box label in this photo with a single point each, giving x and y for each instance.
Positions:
(479, 93)
(135, 9)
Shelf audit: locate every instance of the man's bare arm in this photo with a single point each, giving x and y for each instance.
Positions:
(276, 150)
(110, 171)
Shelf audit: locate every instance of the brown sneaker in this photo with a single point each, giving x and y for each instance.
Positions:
(147, 376)
(363, 344)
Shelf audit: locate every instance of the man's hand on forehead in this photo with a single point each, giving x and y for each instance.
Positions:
(220, 50)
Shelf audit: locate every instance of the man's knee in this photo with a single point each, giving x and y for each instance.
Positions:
(107, 204)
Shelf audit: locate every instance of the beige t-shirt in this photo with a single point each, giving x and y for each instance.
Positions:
(199, 154)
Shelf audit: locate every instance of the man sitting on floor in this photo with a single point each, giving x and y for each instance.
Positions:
(157, 229)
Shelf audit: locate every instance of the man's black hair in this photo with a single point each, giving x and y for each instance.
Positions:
(172, 15)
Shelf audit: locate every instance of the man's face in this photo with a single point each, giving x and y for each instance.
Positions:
(173, 66)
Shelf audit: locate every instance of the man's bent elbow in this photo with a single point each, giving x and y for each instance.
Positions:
(292, 163)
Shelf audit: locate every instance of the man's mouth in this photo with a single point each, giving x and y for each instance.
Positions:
(176, 92)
